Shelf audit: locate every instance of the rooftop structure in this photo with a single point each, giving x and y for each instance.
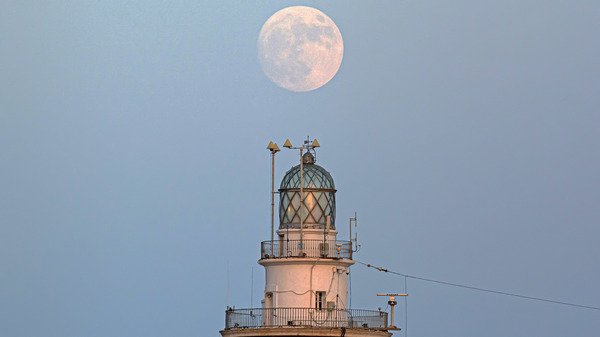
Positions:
(306, 267)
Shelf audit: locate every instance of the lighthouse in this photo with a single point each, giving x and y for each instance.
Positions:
(306, 266)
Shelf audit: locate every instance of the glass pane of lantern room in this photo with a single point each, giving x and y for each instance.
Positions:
(309, 200)
(295, 199)
(321, 197)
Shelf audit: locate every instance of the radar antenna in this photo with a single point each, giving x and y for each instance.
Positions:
(392, 302)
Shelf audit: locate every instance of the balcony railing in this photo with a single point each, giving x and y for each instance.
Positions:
(304, 317)
(306, 248)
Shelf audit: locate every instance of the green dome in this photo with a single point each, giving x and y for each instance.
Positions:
(314, 177)
(319, 198)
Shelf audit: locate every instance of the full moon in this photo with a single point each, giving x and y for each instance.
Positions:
(300, 48)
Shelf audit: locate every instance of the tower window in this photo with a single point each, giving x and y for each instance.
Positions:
(320, 297)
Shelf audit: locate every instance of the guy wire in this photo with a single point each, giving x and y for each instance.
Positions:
(479, 289)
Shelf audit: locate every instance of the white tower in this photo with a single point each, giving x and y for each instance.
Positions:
(306, 267)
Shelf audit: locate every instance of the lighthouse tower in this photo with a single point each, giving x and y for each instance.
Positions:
(306, 266)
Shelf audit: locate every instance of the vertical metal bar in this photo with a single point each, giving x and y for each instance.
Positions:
(355, 232)
(405, 308)
(272, 198)
(301, 202)
(392, 317)
(350, 224)
(227, 284)
(350, 284)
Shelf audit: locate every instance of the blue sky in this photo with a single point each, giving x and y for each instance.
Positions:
(133, 162)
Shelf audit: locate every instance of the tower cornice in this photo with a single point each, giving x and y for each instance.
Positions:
(306, 261)
(305, 332)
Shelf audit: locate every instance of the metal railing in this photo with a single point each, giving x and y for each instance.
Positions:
(304, 317)
(309, 248)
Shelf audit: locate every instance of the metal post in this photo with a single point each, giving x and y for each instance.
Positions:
(274, 149)
(350, 231)
(355, 240)
(392, 302)
(301, 203)
(272, 199)
(308, 147)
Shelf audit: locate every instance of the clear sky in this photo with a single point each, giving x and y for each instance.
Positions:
(133, 162)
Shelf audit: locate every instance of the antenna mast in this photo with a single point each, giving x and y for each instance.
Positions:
(274, 149)
(392, 302)
(355, 240)
(227, 284)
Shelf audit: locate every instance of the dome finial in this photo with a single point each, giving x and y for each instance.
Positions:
(308, 158)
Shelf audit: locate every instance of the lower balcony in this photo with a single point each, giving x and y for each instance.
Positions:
(304, 317)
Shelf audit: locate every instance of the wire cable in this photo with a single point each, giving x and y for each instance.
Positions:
(479, 289)
(405, 307)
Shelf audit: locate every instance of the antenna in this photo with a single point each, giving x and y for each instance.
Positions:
(274, 149)
(355, 240)
(308, 146)
(392, 302)
(251, 287)
(227, 284)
